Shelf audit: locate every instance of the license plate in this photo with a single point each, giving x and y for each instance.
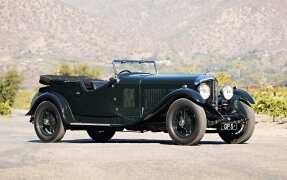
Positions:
(228, 126)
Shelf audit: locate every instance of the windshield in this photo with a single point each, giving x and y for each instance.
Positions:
(135, 66)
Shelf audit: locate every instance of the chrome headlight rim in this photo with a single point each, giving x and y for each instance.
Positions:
(204, 91)
(227, 92)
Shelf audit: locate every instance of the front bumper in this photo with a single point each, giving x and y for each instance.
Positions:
(223, 113)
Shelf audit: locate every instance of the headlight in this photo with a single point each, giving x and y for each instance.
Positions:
(204, 90)
(227, 92)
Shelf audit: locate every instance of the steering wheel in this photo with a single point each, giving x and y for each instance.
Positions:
(124, 71)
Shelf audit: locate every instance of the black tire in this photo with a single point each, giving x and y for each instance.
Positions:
(101, 135)
(186, 122)
(246, 130)
(48, 123)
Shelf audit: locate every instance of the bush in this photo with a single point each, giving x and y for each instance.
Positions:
(64, 70)
(186, 69)
(271, 101)
(9, 85)
(225, 79)
(5, 108)
(78, 70)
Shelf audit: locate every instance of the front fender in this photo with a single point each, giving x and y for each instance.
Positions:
(172, 96)
(244, 96)
(61, 103)
(185, 93)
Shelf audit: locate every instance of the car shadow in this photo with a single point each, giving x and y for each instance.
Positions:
(130, 141)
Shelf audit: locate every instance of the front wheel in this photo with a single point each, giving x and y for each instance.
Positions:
(186, 122)
(48, 123)
(101, 135)
(245, 129)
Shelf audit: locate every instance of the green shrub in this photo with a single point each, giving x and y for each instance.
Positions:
(5, 108)
(78, 70)
(64, 70)
(9, 85)
(225, 79)
(23, 99)
(271, 101)
(186, 69)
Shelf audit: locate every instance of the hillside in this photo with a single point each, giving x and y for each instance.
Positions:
(221, 27)
(233, 36)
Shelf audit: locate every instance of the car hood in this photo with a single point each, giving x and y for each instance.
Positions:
(182, 79)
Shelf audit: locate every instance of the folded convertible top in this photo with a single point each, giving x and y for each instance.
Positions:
(55, 79)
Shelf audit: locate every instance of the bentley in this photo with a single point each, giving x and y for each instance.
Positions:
(138, 98)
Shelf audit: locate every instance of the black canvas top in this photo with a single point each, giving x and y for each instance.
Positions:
(57, 79)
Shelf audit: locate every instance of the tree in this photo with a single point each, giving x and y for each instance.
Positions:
(9, 85)
(64, 70)
(5, 108)
(225, 79)
(186, 69)
(78, 70)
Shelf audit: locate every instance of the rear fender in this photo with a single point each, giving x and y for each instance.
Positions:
(190, 94)
(61, 103)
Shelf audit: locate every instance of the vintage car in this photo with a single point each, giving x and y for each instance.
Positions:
(138, 98)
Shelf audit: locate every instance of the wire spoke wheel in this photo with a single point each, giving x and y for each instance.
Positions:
(183, 122)
(101, 135)
(48, 123)
(245, 128)
(186, 122)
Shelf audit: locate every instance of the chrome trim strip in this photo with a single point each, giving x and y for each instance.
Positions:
(91, 124)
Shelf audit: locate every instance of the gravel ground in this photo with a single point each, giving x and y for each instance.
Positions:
(139, 156)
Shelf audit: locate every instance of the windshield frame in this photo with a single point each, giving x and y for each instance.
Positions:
(118, 61)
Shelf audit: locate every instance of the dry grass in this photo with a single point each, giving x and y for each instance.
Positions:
(23, 99)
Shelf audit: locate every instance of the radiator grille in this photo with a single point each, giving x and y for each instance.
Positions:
(153, 96)
(212, 100)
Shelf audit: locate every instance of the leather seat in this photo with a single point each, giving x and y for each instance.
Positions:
(88, 84)
(92, 84)
(99, 83)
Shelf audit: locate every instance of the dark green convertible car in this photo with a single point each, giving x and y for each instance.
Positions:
(137, 98)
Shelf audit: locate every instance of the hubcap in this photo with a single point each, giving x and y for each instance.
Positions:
(183, 122)
(48, 123)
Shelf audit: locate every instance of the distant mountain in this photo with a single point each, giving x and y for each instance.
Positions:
(246, 38)
(49, 27)
(218, 27)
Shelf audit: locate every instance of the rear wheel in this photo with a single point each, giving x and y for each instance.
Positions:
(48, 123)
(245, 129)
(101, 135)
(186, 122)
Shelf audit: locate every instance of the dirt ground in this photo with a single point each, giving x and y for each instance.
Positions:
(139, 156)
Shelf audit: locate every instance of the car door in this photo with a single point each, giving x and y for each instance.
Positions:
(116, 104)
(92, 105)
(126, 98)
